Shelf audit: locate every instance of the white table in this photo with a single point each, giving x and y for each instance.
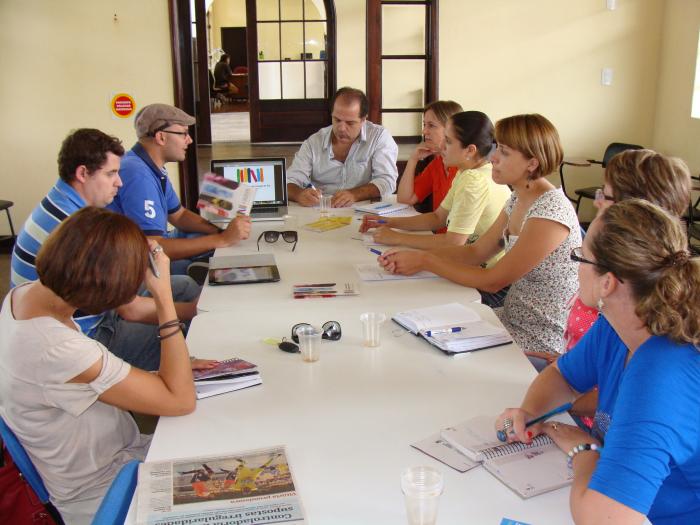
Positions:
(348, 419)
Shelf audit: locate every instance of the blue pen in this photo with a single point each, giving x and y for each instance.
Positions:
(382, 206)
(381, 221)
(309, 185)
(452, 330)
(563, 408)
(375, 251)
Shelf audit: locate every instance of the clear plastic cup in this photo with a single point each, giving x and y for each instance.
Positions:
(310, 343)
(324, 204)
(371, 327)
(422, 487)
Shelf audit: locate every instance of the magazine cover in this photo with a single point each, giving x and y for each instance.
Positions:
(225, 198)
(251, 487)
(229, 367)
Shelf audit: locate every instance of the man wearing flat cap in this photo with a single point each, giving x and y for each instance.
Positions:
(148, 198)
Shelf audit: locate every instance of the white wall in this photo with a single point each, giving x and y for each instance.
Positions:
(61, 63)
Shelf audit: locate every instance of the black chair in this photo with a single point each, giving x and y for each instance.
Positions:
(589, 193)
(6, 205)
(694, 219)
(218, 95)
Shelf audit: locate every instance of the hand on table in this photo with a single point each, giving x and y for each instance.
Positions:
(372, 221)
(342, 199)
(566, 436)
(516, 431)
(203, 364)
(385, 235)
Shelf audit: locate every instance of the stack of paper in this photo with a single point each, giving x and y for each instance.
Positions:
(381, 208)
(227, 376)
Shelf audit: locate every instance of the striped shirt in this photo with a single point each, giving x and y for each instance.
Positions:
(61, 202)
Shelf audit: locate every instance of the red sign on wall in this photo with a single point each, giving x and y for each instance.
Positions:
(123, 105)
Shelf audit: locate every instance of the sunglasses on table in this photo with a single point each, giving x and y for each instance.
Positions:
(330, 330)
(272, 236)
(576, 255)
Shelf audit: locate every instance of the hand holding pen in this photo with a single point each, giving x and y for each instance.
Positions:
(372, 221)
(514, 418)
(309, 196)
(158, 272)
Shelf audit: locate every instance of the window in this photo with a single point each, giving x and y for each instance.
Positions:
(695, 110)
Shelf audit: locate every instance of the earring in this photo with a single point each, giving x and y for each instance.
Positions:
(600, 304)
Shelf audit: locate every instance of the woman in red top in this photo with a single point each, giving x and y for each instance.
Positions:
(435, 179)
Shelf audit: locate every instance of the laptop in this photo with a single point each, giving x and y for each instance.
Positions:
(268, 175)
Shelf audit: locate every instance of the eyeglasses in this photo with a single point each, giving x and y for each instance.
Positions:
(272, 236)
(181, 133)
(600, 196)
(329, 330)
(577, 256)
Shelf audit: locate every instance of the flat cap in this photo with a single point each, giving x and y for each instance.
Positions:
(158, 116)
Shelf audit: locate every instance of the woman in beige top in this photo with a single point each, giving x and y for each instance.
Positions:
(64, 394)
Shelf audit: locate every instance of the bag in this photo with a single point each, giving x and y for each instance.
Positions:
(19, 504)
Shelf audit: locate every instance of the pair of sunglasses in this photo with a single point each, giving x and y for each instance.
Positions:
(272, 236)
(330, 330)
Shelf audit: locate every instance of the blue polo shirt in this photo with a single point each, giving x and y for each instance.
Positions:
(61, 202)
(648, 416)
(146, 197)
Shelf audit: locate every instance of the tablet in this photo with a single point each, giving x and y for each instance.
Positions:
(244, 275)
(243, 269)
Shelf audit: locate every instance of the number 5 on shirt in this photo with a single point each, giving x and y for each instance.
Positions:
(150, 210)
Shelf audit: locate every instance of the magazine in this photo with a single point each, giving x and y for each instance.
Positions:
(228, 367)
(253, 487)
(225, 198)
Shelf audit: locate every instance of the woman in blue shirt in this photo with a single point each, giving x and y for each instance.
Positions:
(644, 355)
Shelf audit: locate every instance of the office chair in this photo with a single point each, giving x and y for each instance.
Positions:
(27, 469)
(6, 205)
(589, 193)
(218, 95)
(115, 505)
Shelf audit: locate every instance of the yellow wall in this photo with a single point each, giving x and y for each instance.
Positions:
(61, 63)
(65, 59)
(675, 133)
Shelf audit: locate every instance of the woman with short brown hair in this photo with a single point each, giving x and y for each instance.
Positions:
(64, 394)
(537, 228)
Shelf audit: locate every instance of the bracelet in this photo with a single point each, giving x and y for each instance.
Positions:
(581, 448)
(174, 322)
(178, 330)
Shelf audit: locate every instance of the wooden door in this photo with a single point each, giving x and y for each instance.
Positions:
(235, 44)
(291, 58)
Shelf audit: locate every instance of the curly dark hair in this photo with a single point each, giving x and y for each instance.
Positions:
(86, 147)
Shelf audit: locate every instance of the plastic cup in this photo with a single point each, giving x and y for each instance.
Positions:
(324, 204)
(291, 222)
(310, 343)
(371, 327)
(422, 487)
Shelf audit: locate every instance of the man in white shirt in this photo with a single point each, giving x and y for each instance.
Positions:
(352, 159)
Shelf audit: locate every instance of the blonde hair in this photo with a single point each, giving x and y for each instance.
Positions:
(535, 137)
(642, 244)
(646, 174)
(443, 109)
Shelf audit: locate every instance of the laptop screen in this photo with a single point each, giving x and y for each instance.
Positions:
(267, 174)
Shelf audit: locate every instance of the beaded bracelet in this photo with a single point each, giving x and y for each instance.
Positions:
(581, 448)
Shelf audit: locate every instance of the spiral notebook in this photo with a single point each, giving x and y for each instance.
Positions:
(527, 469)
(381, 208)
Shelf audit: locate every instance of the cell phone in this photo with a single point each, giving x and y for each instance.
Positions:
(152, 264)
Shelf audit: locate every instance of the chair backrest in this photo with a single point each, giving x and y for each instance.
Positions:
(617, 147)
(240, 70)
(115, 505)
(23, 463)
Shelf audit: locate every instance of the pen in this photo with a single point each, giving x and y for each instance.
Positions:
(382, 206)
(451, 330)
(563, 408)
(321, 285)
(313, 295)
(152, 264)
(375, 251)
(381, 221)
(309, 185)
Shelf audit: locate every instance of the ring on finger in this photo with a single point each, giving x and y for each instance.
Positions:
(554, 426)
(507, 423)
(157, 249)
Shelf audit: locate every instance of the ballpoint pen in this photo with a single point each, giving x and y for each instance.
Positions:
(563, 408)
(451, 330)
(382, 206)
(375, 251)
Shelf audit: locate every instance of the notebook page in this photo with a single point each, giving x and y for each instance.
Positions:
(452, 314)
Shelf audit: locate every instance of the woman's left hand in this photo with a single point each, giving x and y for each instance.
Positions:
(385, 235)
(403, 262)
(566, 436)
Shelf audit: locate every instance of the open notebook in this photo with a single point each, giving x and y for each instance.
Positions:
(528, 470)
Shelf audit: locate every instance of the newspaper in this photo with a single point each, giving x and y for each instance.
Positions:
(225, 198)
(254, 487)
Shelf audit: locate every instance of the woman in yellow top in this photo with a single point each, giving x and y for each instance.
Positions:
(474, 201)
